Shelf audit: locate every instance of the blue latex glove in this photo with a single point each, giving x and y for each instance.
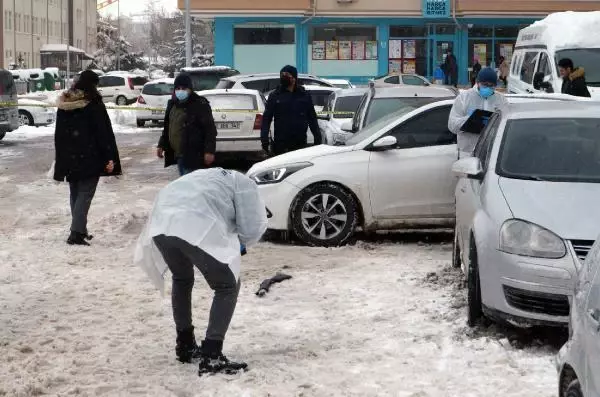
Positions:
(243, 249)
(485, 120)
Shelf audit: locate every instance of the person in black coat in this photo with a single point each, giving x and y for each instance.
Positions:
(451, 69)
(573, 79)
(86, 149)
(189, 137)
(294, 112)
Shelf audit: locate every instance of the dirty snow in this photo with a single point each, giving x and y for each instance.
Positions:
(385, 317)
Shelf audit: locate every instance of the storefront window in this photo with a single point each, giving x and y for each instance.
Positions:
(343, 43)
(507, 31)
(445, 29)
(342, 32)
(480, 31)
(480, 50)
(408, 31)
(263, 35)
(408, 55)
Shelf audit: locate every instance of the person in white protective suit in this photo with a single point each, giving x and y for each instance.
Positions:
(482, 96)
(202, 219)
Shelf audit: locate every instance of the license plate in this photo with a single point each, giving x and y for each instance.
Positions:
(156, 112)
(228, 125)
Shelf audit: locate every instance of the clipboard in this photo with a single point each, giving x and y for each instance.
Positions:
(475, 123)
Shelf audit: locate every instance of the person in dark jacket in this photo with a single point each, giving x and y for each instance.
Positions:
(451, 69)
(294, 112)
(475, 72)
(189, 137)
(573, 79)
(86, 149)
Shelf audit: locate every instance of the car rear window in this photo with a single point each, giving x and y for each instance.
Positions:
(319, 98)
(232, 102)
(380, 107)
(208, 80)
(346, 106)
(139, 80)
(7, 84)
(158, 89)
(225, 84)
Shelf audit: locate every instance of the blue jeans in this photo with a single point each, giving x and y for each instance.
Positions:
(181, 168)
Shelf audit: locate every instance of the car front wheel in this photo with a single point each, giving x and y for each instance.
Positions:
(121, 101)
(324, 215)
(475, 311)
(574, 389)
(25, 118)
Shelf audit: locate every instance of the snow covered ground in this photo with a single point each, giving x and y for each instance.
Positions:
(385, 317)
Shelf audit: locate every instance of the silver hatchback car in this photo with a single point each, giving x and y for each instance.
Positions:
(527, 211)
(578, 361)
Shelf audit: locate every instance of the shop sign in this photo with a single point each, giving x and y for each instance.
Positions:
(436, 8)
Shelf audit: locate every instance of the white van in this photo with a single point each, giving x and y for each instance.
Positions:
(541, 45)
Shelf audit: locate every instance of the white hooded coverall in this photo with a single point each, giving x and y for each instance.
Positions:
(213, 209)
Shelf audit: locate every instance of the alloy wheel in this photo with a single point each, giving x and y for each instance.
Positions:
(324, 216)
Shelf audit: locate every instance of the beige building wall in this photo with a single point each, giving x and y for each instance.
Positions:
(370, 7)
(29, 24)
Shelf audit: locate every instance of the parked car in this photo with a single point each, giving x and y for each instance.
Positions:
(319, 95)
(208, 77)
(238, 117)
(339, 109)
(340, 83)
(35, 113)
(578, 361)
(123, 89)
(378, 102)
(266, 82)
(9, 118)
(523, 218)
(395, 173)
(155, 94)
(396, 79)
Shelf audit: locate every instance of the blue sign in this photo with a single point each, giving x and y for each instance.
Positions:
(436, 8)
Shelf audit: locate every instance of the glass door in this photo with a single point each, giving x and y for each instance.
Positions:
(441, 47)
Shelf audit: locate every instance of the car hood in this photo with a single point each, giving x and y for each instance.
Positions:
(565, 208)
(298, 156)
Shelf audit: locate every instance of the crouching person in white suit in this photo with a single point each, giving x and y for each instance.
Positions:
(200, 220)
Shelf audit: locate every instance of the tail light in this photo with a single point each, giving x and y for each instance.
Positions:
(141, 100)
(258, 121)
(130, 81)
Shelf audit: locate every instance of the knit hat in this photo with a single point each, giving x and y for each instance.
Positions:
(184, 81)
(291, 70)
(487, 75)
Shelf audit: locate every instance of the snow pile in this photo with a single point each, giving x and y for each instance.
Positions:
(568, 29)
(30, 132)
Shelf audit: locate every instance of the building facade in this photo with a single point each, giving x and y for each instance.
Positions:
(29, 25)
(361, 39)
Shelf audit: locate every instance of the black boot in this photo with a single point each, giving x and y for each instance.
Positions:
(77, 239)
(213, 361)
(186, 348)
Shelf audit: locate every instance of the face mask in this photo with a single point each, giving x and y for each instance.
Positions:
(182, 95)
(486, 92)
(285, 81)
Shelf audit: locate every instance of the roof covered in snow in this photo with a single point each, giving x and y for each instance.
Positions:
(563, 30)
(60, 48)
(207, 69)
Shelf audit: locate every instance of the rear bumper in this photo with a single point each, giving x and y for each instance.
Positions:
(148, 115)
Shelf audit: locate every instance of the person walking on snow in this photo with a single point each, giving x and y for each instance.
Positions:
(482, 96)
(203, 219)
(294, 112)
(189, 137)
(86, 149)
(573, 79)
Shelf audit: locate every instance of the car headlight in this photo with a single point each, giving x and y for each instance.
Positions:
(526, 239)
(278, 174)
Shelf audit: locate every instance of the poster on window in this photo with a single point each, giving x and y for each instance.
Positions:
(331, 50)
(318, 50)
(395, 66)
(371, 50)
(506, 51)
(395, 49)
(358, 50)
(480, 52)
(409, 47)
(409, 66)
(345, 50)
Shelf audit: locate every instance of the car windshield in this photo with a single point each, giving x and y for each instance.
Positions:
(137, 81)
(346, 106)
(380, 107)
(232, 102)
(377, 126)
(586, 58)
(158, 89)
(558, 150)
(341, 85)
(319, 98)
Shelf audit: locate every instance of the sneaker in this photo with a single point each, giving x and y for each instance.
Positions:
(186, 348)
(220, 364)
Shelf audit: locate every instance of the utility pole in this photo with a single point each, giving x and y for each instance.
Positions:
(188, 35)
(119, 35)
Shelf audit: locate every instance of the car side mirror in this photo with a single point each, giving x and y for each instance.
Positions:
(386, 143)
(469, 167)
(347, 126)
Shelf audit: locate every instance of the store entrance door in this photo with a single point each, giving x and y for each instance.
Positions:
(441, 45)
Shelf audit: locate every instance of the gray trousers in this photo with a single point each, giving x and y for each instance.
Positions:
(181, 257)
(82, 194)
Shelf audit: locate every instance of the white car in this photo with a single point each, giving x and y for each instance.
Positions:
(35, 113)
(397, 79)
(526, 210)
(238, 117)
(266, 82)
(395, 173)
(340, 83)
(155, 94)
(339, 109)
(122, 89)
(578, 361)
(319, 95)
